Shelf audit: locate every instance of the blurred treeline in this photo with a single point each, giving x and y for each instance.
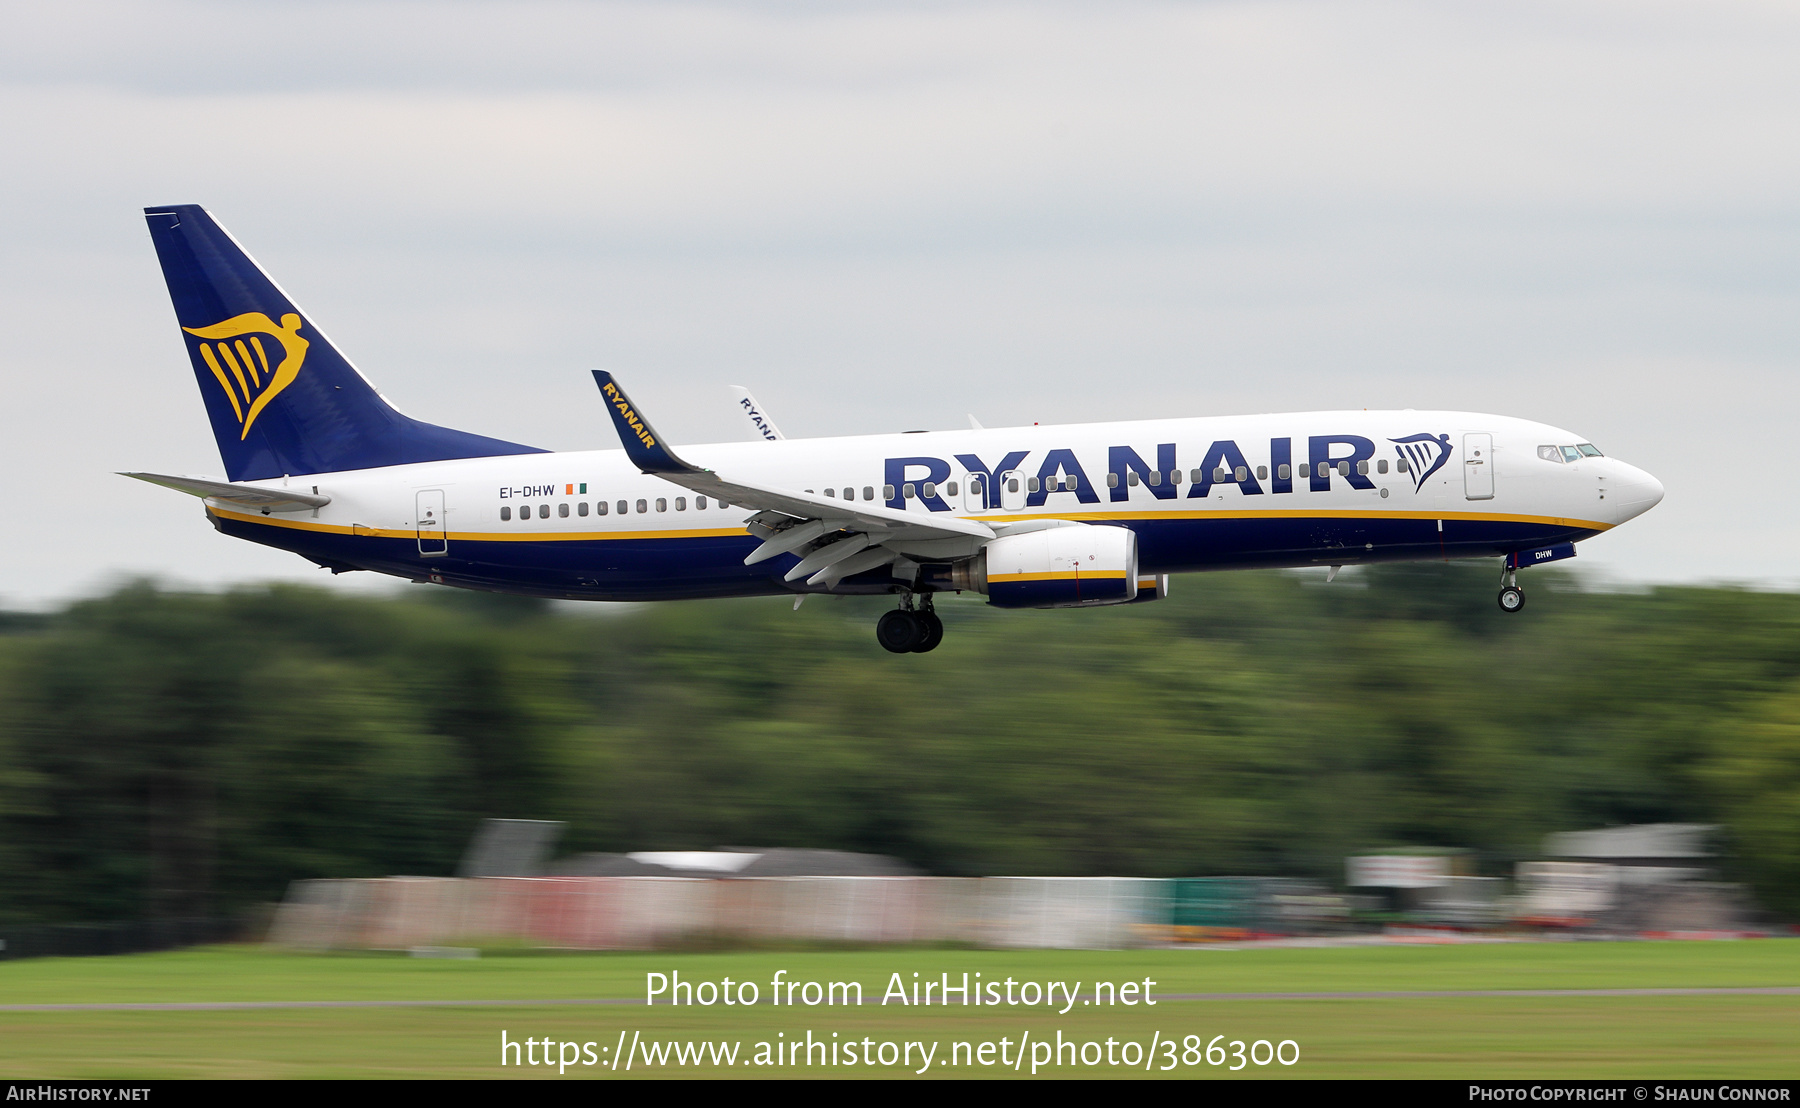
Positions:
(167, 754)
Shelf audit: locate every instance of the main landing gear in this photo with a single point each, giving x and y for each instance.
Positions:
(909, 630)
(1512, 597)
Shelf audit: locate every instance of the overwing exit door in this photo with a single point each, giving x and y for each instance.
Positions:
(433, 540)
(1012, 491)
(975, 493)
(1478, 466)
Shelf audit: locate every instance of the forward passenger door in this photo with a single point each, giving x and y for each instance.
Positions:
(1478, 466)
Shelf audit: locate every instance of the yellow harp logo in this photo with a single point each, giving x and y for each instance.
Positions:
(239, 358)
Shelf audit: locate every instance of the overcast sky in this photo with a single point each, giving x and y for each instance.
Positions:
(886, 216)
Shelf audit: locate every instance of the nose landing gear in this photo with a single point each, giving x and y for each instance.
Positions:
(909, 630)
(1512, 597)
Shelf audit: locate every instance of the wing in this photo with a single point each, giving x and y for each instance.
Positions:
(835, 538)
(249, 496)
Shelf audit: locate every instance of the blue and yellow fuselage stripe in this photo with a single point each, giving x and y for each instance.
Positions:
(671, 563)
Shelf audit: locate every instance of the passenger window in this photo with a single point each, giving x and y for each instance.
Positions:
(1131, 477)
(643, 506)
(543, 511)
(1285, 473)
(906, 491)
(1112, 480)
(724, 506)
(1362, 468)
(563, 510)
(1343, 469)
(1262, 473)
(831, 493)
(949, 488)
(1324, 469)
(1071, 482)
(624, 506)
(505, 514)
(699, 503)
(887, 492)
(930, 489)
(681, 503)
(868, 492)
(1174, 477)
(1381, 466)
(1242, 473)
(1402, 466)
(600, 507)
(1012, 485)
(581, 509)
(850, 494)
(662, 504)
(1589, 450)
(1031, 484)
(1221, 474)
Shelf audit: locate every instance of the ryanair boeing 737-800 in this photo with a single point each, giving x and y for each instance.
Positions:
(317, 462)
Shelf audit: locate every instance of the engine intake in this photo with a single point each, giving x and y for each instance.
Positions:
(1074, 566)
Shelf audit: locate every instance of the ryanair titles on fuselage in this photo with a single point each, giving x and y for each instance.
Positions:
(1222, 463)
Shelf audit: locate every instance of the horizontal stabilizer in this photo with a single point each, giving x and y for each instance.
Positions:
(250, 496)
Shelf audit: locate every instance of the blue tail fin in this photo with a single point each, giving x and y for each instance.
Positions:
(281, 399)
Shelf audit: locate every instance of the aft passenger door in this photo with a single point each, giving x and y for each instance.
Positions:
(433, 539)
(1478, 466)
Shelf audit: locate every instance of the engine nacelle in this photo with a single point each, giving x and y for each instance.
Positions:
(1074, 566)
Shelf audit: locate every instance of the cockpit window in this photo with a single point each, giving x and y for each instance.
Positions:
(1561, 454)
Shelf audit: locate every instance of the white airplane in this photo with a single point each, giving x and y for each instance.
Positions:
(1073, 516)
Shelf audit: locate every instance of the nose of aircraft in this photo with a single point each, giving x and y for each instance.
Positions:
(1635, 492)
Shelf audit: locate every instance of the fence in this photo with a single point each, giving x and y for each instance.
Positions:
(641, 913)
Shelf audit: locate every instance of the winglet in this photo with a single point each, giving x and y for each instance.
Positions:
(759, 419)
(642, 444)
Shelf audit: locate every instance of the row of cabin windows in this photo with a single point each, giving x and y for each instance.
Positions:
(911, 491)
(601, 508)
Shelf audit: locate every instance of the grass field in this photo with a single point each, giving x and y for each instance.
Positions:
(1725, 1036)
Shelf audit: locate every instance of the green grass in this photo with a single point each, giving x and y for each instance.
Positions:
(1462, 1037)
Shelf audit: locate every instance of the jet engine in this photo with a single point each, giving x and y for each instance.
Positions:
(1076, 565)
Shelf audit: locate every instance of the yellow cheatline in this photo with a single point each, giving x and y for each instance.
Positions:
(206, 353)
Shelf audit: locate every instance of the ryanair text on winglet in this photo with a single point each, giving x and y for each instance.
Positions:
(629, 416)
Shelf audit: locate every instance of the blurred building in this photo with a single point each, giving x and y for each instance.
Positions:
(1654, 878)
(732, 862)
